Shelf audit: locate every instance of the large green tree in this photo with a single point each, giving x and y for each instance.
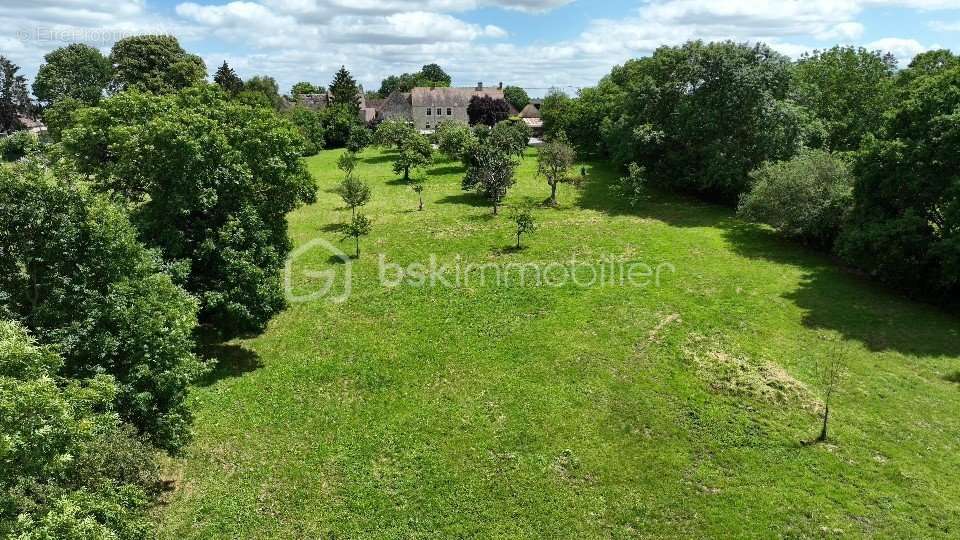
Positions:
(77, 71)
(14, 97)
(415, 152)
(262, 90)
(431, 75)
(344, 91)
(210, 182)
(155, 64)
(905, 225)
(228, 79)
(848, 89)
(490, 172)
(74, 273)
(517, 97)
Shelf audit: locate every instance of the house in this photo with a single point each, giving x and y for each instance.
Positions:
(531, 117)
(319, 102)
(426, 107)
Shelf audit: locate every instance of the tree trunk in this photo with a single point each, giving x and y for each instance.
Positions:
(553, 194)
(421, 203)
(353, 209)
(358, 246)
(406, 174)
(518, 241)
(823, 431)
(495, 205)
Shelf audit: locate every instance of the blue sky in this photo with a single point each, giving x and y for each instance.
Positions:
(532, 43)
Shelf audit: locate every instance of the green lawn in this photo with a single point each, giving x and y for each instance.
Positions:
(573, 412)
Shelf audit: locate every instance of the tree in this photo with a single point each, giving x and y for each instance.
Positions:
(516, 96)
(454, 138)
(71, 469)
(359, 226)
(360, 138)
(14, 97)
(302, 88)
(554, 160)
(347, 162)
(525, 224)
(490, 172)
(432, 75)
(74, 273)
(354, 192)
(17, 145)
(339, 123)
(228, 79)
(393, 132)
(848, 89)
(486, 110)
(210, 182)
(415, 152)
(77, 71)
(557, 113)
(807, 197)
(344, 91)
(265, 86)
(512, 136)
(311, 127)
(904, 222)
(830, 373)
(417, 187)
(59, 116)
(155, 64)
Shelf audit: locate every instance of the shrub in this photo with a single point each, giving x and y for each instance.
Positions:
(72, 270)
(18, 145)
(69, 468)
(454, 138)
(806, 198)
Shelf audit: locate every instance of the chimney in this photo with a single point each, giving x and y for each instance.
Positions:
(480, 86)
(501, 86)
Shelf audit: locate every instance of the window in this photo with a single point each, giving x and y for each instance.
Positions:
(429, 111)
(439, 111)
(428, 125)
(449, 112)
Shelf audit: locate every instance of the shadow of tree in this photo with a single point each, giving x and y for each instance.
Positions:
(230, 360)
(468, 198)
(382, 158)
(448, 169)
(832, 297)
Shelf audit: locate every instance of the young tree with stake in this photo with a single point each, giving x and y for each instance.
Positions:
(355, 193)
(347, 162)
(418, 189)
(525, 224)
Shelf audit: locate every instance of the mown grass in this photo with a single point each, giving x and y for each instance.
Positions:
(571, 412)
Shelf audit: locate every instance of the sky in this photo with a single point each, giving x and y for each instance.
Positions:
(536, 44)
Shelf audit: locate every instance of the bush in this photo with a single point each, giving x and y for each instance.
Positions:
(57, 479)
(454, 138)
(18, 145)
(72, 270)
(806, 198)
(311, 127)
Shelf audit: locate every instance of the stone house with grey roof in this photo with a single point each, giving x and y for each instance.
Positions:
(425, 107)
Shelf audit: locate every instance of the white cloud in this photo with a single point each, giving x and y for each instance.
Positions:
(903, 49)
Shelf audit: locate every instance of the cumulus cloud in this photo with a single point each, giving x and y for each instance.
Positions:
(903, 49)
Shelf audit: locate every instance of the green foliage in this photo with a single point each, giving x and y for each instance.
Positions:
(511, 136)
(75, 274)
(210, 182)
(261, 85)
(486, 110)
(14, 97)
(354, 192)
(848, 89)
(525, 224)
(228, 79)
(360, 138)
(554, 160)
(516, 96)
(359, 226)
(392, 133)
(344, 92)
(59, 116)
(415, 152)
(431, 75)
(339, 123)
(454, 138)
(347, 162)
(156, 64)
(807, 197)
(18, 145)
(632, 186)
(69, 468)
(304, 87)
(77, 71)
(556, 113)
(906, 217)
(490, 172)
(310, 124)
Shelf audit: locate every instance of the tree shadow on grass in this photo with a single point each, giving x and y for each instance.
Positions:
(449, 169)
(230, 360)
(382, 158)
(334, 227)
(468, 198)
(832, 297)
(399, 182)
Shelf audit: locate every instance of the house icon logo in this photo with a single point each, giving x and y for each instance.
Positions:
(304, 282)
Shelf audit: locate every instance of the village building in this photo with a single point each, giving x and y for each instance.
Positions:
(426, 107)
(531, 117)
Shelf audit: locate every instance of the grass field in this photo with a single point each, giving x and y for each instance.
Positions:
(574, 412)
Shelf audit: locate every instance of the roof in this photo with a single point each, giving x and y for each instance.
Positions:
(530, 111)
(449, 97)
(533, 123)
